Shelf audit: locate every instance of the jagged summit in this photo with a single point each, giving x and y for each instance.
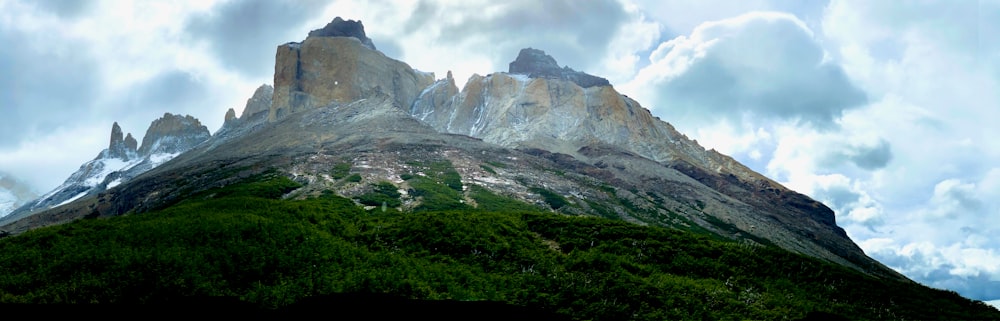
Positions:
(331, 66)
(120, 147)
(166, 138)
(344, 28)
(536, 64)
(173, 134)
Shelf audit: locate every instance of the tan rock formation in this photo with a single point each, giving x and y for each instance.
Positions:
(230, 116)
(259, 103)
(322, 70)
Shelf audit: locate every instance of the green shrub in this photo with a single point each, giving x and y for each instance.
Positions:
(340, 170)
(554, 200)
(384, 193)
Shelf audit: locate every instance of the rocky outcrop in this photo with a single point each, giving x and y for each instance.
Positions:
(536, 64)
(328, 67)
(259, 103)
(344, 28)
(123, 148)
(230, 116)
(173, 134)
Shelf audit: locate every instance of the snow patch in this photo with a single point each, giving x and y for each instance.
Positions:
(114, 183)
(104, 168)
(71, 199)
(160, 158)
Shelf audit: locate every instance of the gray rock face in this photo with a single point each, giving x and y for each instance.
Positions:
(119, 147)
(344, 28)
(173, 134)
(259, 103)
(536, 64)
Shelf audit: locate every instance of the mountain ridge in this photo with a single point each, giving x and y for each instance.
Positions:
(582, 144)
(165, 138)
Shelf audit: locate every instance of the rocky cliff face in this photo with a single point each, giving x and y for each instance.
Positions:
(328, 67)
(165, 138)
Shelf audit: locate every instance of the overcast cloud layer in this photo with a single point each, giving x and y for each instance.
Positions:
(881, 110)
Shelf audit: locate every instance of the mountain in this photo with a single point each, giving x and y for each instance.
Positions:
(373, 176)
(537, 132)
(165, 138)
(13, 193)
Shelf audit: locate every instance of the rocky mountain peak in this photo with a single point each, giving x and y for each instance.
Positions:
(172, 134)
(230, 115)
(119, 146)
(331, 67)
(130, 143)
(537, 64)
(344, 28)
(259, 103)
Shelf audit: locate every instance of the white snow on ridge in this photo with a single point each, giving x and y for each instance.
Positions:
(160, 158)
(108, 166)
(114, 183)
(71, 199)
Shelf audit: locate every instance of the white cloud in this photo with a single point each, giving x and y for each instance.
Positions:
(764, 64)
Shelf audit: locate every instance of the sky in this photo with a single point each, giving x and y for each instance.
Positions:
(883, 110)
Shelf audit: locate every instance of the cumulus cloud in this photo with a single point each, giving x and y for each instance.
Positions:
(565, 29)
(33, 70)
(972, 271)
(244, 34)
(764, 64)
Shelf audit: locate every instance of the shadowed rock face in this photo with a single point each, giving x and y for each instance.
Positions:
(344, 28)
(173, 134)
(119, 147)
(536, 64)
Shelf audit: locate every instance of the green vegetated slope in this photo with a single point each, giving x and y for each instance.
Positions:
(244, 241)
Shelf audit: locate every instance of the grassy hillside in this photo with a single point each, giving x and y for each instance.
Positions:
(243, 241)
